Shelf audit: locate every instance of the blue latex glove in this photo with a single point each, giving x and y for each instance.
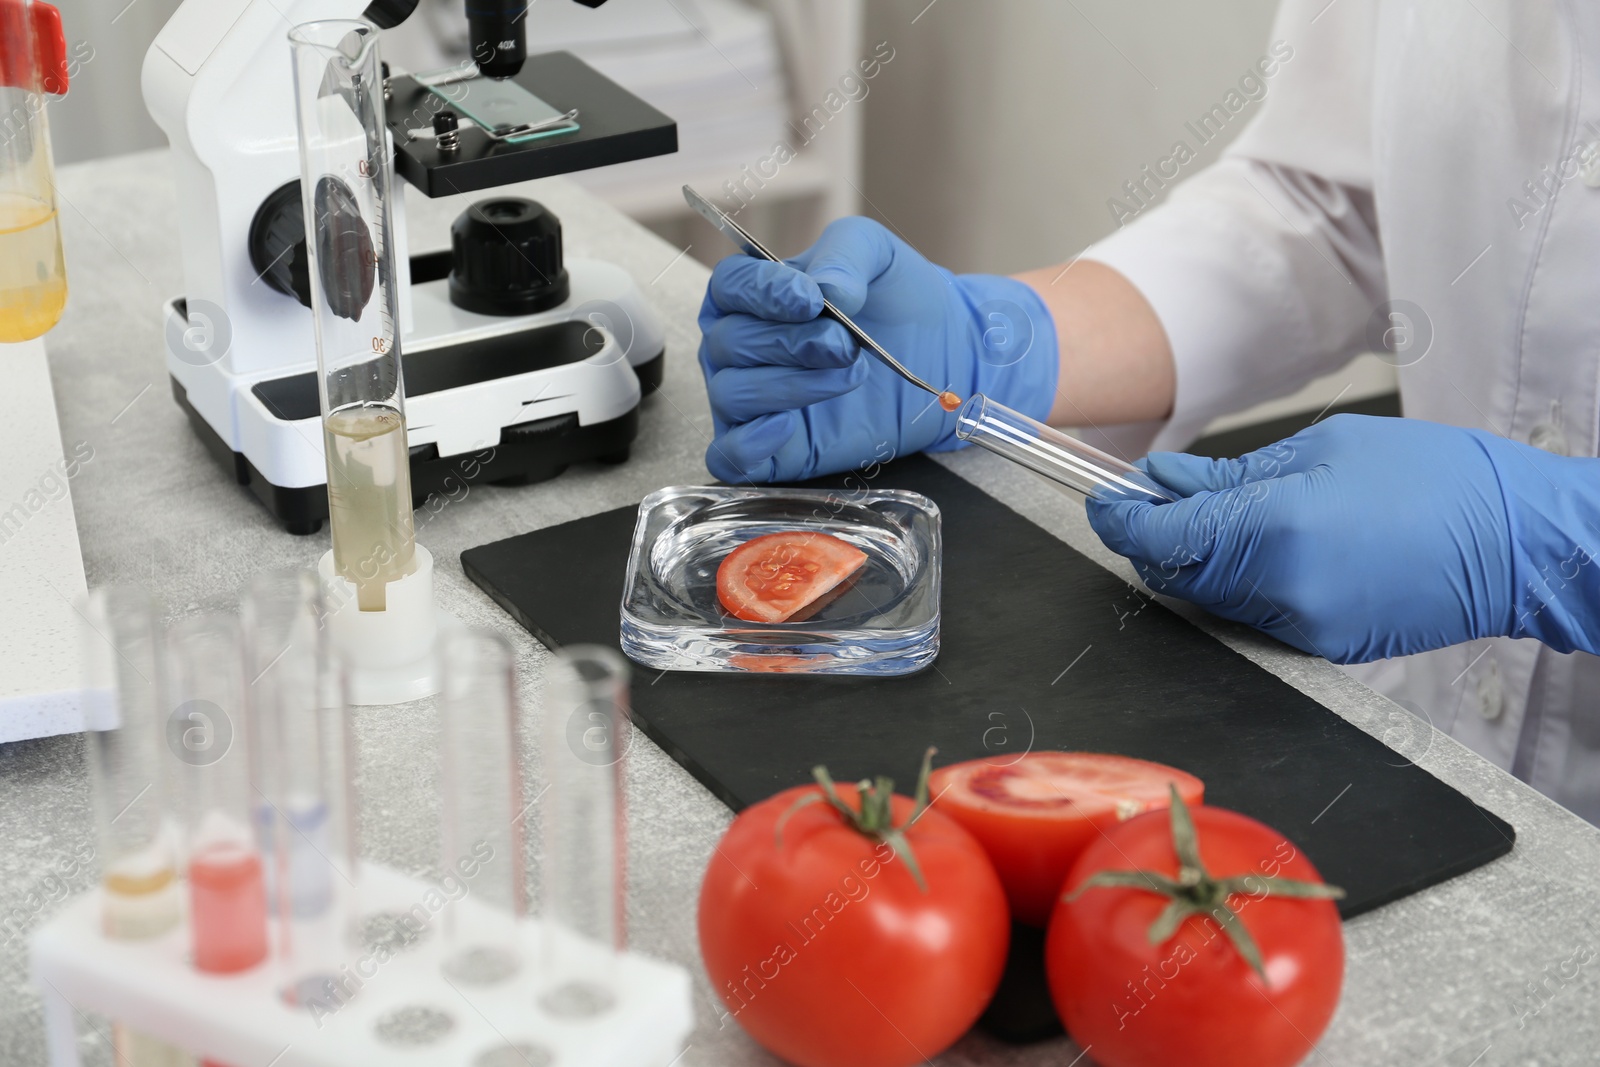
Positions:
(1366, 537)
(794, 396)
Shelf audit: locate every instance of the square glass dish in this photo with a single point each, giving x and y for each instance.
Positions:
(884, 622)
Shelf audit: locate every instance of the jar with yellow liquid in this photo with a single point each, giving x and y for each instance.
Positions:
(33, 67)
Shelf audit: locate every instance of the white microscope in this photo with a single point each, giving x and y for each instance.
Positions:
(515, 363)
(339, 376)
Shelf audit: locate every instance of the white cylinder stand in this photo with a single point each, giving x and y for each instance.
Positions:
(388, 654)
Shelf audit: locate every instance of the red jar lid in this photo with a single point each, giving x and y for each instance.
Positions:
(33, 47)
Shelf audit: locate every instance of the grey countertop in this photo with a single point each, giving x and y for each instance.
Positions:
(1447, 976)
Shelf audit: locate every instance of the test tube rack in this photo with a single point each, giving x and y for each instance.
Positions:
(242, 1021)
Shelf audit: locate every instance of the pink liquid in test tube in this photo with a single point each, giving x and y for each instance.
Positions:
(228, 909)
(227, 894)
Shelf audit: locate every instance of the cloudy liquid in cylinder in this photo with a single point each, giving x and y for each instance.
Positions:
(369, 499)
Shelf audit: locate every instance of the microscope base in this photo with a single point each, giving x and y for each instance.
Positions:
(530, 452)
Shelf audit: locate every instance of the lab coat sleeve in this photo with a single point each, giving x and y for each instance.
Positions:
(1265, 268)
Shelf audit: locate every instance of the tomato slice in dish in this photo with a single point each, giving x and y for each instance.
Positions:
(1035, 814)
(783, 576)
(777, 664)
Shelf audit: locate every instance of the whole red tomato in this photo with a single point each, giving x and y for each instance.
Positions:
(830, 948)
(1138, 994)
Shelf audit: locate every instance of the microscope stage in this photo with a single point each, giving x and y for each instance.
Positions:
(614, 127)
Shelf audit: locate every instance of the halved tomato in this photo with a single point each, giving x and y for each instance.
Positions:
(779, 576)
(1035, 814)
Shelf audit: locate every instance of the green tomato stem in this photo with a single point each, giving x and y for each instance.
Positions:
(874, 814)
(1195, 892)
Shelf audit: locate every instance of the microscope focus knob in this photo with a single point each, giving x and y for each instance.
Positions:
(277, 243)
(506, 258)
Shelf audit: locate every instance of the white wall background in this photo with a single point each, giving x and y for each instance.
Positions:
(1001, 129)
(103, 113)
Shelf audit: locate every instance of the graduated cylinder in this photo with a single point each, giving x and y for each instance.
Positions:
(345, 196)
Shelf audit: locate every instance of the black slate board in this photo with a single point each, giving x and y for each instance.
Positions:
(1041, 648)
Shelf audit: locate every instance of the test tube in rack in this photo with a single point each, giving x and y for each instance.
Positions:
(585, 735)
(123, 698)
(210, 741)
(483, 807)
(304, 809)
(574, 996)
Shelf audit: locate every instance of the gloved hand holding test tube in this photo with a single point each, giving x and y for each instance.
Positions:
(748, 360)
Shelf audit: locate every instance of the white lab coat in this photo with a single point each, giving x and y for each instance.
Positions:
(1434, 151)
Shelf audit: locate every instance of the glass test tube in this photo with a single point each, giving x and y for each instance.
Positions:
(482, 806)
(584, 737)
(227, 895)
(344, 184)
(137, 841)
(123, 714)
(304, 811)
(1056, 455)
